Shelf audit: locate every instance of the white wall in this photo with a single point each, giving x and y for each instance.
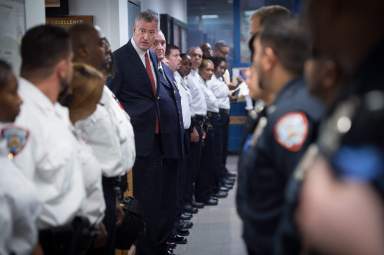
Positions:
(175, 8)
(110, 15)
(34, 13)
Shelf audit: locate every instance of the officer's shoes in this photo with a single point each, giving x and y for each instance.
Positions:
(224, 188)
(186, 216)
(190, 209)
(182, 231)
(198, 205)
(185, 224)
(178, 239)
(171, 245)
(220, 194)
(212, 201)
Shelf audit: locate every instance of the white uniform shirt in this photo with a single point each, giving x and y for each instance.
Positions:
(21, 202)
(212, 104)
(6, 225)
(94, 205)
(221, 92)
(123, 127)
(49, 158)
(186, 99)
(198, 103)
(99, 133)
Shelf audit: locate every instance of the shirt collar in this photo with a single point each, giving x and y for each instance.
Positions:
(30, 92)
(139, 51)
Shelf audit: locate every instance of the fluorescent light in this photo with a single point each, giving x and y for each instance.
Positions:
(210, 16)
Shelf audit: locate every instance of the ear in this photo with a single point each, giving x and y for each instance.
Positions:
(269, 59)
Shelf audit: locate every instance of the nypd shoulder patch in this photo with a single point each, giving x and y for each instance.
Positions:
(16, 138)
(291, 130)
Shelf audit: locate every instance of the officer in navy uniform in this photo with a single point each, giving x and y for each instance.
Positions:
(172, 135)
(290, 127)
(342, 174)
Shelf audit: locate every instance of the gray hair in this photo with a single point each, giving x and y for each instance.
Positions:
(147, 16)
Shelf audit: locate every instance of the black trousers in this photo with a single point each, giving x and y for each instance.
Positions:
(187, 181)
(205, 182)
(155, 188)
(224, 120)
(194, 165)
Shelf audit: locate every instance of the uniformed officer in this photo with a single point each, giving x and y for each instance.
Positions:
(89, 48)
(20, 206)
(199, 113)
(340, 208)
(49, 160)
(86, 89)
(206, 183)
(291, 125)
(263, 98)
(221, 91)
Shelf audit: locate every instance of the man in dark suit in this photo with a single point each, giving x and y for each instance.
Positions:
(137, 86)
(172, 133)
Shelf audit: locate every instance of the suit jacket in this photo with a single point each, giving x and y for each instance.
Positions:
(171, 119)
(133, 89)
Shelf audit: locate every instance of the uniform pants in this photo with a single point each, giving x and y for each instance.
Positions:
(187, 183)
(206, 176)
(224, 116)
(217, 151)
(194, 163)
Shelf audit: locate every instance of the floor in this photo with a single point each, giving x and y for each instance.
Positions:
(217, 229)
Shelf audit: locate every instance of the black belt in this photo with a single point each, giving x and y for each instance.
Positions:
(224, 111)
(213, 114)
(75, 237)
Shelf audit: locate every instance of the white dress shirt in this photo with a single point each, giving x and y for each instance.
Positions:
(212, 104)
(198, 103)
(6, 225)
(49, 158)
(20, 199)
(221, 92)
(100, 134)
(141, 54)
(123, 127)
(186, 99)
(93, 206)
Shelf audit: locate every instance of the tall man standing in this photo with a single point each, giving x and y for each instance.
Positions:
(136, 86)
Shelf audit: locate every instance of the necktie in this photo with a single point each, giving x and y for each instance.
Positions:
(149, 72)
(153, 85)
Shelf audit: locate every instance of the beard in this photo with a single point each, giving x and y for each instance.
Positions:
(65, 96)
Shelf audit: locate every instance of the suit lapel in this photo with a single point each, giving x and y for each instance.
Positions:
(135, 61)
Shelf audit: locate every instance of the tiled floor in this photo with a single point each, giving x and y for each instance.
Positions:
(217, 229)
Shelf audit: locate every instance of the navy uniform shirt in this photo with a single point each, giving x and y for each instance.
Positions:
(291, 127)
(357, 153)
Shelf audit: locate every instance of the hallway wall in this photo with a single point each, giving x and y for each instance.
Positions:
(112, 16)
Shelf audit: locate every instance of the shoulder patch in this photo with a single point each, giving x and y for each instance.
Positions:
(16, 138)
(291, 130)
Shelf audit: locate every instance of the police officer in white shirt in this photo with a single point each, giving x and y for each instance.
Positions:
(49, 159)
(222, 93)
(86, 89)
(20, 206)
(207, 181)
(103, 130)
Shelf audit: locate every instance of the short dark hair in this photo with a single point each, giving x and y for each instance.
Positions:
(169, 48)
(270, 11)
(217, 60)
(79, 34)
(289, 42)
(5, 72)
(220, 44)
(147, 16)
(44, 46)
